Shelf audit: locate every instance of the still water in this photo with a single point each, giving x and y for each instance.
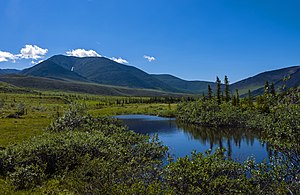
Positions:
(183, 139)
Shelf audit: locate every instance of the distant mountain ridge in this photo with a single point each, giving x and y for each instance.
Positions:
(9, 71)
(255, 83)
(192, 87)
(103, 71)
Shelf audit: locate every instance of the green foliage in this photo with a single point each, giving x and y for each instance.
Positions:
(284, 127)
(2, 102)
(200, 174)
(77, 119)
(210, 113)
(27, 177)
(280, 121)
(94, 150)
(214, 174)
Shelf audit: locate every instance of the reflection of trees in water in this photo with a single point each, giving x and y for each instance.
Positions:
(221, 137)
(227, 137)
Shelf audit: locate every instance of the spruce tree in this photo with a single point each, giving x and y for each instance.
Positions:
(209, 93)
(250, 103)
(226, 82)
(218, 82)
(267, 88)
(237, 97)
(272, 90)
(233, 100)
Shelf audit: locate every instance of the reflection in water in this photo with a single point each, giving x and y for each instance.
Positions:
(221, 137)
(151, 126)
(182, 139)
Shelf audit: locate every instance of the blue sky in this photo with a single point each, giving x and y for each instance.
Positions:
(191, 39)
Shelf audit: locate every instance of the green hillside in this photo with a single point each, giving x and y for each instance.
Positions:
(258, 81)
(8, 88)
(80, 87)
(194, 87)
(287, 82)
(50, 69)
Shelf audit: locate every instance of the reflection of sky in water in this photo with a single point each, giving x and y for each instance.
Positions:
(240, 144)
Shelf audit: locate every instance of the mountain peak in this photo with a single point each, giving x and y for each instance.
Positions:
(98, 70)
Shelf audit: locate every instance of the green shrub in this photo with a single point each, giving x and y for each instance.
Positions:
(210, 174)
(210, 113)
(27, 177)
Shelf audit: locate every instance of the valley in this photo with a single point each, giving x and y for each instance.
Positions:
(149, 97)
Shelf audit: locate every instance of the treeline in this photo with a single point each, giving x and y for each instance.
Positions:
(224, 109)
(81, 154)
(233, 96)
(118, 100)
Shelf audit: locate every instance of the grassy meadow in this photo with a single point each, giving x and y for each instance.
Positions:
(42, 108)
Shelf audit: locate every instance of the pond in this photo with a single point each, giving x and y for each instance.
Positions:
(183, 139)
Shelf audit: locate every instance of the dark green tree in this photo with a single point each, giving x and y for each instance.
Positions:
(250, 102)
(218, 82)
(209, 93)
(226, 82)
(233, 100)
(272, 90)
(237, 97)
(267, 88)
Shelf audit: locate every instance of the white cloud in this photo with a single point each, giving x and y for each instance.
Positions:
(28, 52)
(36, 62)
(32, 52)
(149, 58)
(83, 53)
(5, 56)
(119, 60)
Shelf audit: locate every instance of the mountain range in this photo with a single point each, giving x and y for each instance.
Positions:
(99, 75)
(9, 71)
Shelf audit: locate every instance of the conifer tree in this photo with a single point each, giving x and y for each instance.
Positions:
(267, 88)
(272, 90)
(218, 82)
(209, 93)
(237, 97)
(226, 82)
(250, 103)
(233, 100)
